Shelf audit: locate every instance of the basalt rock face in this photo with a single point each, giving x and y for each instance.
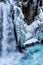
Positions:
(30, 10)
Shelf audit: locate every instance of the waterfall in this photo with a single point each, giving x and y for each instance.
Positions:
(24, 35)
(24, 32)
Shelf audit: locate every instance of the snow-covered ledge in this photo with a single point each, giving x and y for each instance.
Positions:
(30, 42)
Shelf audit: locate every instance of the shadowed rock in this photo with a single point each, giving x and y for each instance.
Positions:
(31, 10)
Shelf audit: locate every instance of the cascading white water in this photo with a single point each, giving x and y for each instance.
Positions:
(8, 41)
(3, 42)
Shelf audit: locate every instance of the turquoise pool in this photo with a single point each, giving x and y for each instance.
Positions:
(33, 55)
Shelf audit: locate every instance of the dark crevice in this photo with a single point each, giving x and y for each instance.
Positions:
(27, 10)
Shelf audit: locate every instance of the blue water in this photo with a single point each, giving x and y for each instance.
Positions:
(33, 55)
